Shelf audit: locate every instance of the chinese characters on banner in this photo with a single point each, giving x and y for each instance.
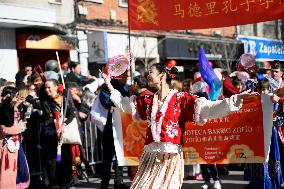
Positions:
(231, 139)
(198, 14)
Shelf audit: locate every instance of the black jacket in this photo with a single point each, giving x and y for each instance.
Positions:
(49, 109)
(105, 94)
(79, 79)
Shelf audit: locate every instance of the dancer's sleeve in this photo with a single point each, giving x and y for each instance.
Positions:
(142, 105)
(206, 109)
(187, 107)
(137, 106)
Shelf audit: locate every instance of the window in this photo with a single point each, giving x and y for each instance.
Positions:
(270, 30)
(247, 30)
(123, 3)
(96, 1)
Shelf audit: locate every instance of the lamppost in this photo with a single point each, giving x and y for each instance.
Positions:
(145, 51)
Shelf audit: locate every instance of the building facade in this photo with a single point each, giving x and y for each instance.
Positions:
(103, 33)
(102, 27)
(31, 31)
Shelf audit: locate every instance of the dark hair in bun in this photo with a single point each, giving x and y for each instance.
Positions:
(170, 72)
(11, 91)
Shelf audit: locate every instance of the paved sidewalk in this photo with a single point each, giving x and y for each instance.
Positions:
(232, 181)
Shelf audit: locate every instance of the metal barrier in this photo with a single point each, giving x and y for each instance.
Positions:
(92, 144)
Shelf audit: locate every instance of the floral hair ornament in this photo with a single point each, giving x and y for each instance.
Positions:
(118, 65)
(169, 71)
(60, 88)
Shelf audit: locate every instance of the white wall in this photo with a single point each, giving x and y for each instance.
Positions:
(83, 52)
(8, 64)
(8, 54)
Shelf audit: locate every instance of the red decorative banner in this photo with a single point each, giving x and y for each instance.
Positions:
(242, 137)
(134, 134)
(198, 14)
(231, 139)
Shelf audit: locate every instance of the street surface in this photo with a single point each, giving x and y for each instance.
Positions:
(232, 181)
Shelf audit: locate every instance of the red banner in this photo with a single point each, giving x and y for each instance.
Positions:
(241, 137)
(199, 14)
(231, 139)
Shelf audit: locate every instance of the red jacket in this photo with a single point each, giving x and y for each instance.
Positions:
(228, 88)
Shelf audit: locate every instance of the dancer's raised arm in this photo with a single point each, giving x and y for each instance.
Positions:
(207, 109)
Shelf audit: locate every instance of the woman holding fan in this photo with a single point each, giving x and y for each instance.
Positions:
(166, 112)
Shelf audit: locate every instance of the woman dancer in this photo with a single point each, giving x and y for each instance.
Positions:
(167, 111)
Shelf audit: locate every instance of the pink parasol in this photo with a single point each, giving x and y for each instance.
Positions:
(118, 65)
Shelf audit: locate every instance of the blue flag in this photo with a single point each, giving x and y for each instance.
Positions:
(209, 76)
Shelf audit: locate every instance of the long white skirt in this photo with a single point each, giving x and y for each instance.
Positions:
(161, 167)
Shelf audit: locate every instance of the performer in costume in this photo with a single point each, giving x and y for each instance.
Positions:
(167, 111)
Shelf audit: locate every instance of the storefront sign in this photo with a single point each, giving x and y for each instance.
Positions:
(263, 49)
(214, 56)
(97, 47)
(43, 41)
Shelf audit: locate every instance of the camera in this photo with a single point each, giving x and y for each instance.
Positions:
(36, 107)
(30, 110)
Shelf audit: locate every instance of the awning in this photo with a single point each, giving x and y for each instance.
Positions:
(44, 41)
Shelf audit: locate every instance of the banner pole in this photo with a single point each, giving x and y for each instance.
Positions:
(60, 70)
(129, 46)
